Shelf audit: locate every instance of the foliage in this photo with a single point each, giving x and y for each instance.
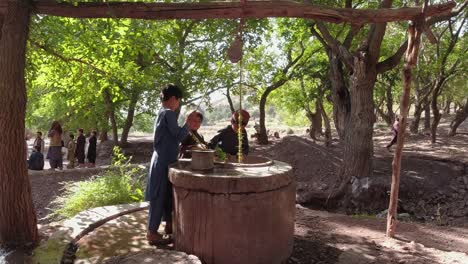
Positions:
(121, 183)
(73, 63)
(220, 154)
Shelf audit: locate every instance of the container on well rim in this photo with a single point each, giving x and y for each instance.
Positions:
(202, 159)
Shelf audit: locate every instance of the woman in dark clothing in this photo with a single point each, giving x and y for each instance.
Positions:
(92, 149)
(193, 139)
(80, 148)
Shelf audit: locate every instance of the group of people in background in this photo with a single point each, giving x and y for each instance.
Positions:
(76, 149)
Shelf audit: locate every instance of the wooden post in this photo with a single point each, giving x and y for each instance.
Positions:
(415, 30)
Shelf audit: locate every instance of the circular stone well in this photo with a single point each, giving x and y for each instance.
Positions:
(236, 213)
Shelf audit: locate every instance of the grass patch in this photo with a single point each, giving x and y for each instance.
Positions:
(120, 184)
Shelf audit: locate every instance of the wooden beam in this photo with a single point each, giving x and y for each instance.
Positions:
(211, 10)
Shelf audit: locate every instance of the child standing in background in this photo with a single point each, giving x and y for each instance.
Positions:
(71, 152)
(80, 148)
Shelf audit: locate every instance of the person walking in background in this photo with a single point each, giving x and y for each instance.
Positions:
(39, 142)
(92, 149)
(54, 154)
(71, 152)
(395, 127)
(80, 148)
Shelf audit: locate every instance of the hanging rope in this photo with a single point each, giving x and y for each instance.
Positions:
(235, 55)
(240, 154)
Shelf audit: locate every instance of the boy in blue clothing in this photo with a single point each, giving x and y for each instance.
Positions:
(167, 137)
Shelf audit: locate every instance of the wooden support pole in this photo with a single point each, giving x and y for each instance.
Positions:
(415, 31)
(244, 9)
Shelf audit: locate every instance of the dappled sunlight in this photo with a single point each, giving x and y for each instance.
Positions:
(358, 240)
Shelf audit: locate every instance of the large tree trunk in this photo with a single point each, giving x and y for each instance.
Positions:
(460, 116)
(358, 147)
(339, 95)
(111, 113)
(130, 116)
(18, 223)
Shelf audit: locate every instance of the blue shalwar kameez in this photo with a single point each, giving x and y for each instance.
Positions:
(167, 136)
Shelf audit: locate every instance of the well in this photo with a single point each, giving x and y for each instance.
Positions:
(236, 213)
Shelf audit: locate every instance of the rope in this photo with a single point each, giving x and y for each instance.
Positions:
(240, 156)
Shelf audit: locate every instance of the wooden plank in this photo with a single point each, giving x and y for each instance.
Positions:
(211, 10)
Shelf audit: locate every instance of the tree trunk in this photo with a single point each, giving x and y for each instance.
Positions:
(389, 104)
(111, 113)
(317, 120)
(18, 223)
(262, 136)
(326, 121)
(358, 147)
(435, 111)
(339, 95)
(130, 116)
(385, 117)
(418, 107)
(460, 116)
(448, 102)
(103, 136)
(414, 35)
(427, 115)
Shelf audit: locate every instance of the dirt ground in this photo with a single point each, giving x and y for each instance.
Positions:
(322, 237)
(433, 192)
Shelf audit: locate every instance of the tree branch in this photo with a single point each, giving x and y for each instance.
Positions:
(349, 37)
(163, 62)
(337, 48)
(392, 61)
(203, 95)
(376, 34)
(66, 59)
(319, 38)
(446, 16)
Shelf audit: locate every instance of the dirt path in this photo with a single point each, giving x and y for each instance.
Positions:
(322, 237)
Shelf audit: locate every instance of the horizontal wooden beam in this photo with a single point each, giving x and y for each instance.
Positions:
(210, 10)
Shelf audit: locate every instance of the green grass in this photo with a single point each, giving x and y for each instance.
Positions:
(122, 183)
